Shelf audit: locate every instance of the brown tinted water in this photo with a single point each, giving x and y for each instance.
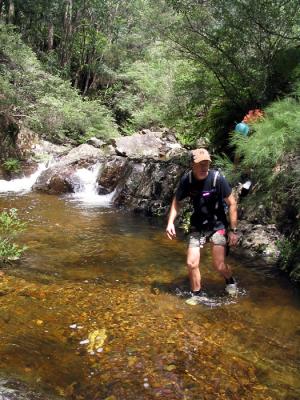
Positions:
(112, 278)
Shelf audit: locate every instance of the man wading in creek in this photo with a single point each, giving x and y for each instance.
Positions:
(207, 190)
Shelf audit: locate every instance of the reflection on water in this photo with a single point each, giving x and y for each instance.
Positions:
(94, 311)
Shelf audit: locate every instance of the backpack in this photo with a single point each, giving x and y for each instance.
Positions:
(217, 173)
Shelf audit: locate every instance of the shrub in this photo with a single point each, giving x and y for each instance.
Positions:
(47, 104)
(10, 226)
(12, 165)
(228, 168)
(270, 156)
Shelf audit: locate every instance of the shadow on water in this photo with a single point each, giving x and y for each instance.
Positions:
(96, 310)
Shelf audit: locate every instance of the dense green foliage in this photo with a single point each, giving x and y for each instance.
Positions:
(12, 165)
(242, 44)
(194, 66)
(155, 92)
(10, 227)
(44, 102)
(269, 156)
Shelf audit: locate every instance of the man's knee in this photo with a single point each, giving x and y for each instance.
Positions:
(192, 265)
(220, 266)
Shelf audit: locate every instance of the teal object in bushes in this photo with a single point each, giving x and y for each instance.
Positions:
(242, 128)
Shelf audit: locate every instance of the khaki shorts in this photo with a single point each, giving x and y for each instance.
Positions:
(198, 239)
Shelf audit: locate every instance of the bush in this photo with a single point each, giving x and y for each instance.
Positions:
(47, 103)
(163, 90)
(10, 226)
(228, 168)
(12, 165)
(270, 156)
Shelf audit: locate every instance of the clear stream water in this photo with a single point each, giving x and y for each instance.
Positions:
(94, 311)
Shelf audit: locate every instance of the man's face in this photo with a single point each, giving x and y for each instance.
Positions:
(200, 170)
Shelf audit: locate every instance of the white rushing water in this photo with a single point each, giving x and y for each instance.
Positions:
(21, 185)
(87, 191)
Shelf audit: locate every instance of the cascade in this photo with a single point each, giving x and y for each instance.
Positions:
(21, 185)
(87, 189)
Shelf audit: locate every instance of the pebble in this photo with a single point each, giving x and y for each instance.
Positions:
(85, 341)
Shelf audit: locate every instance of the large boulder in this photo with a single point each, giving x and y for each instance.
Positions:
(56, 180)
(139, 146)
(82, 155)
(258, 242)
(159, 145)
(44, 150)
(149, 187)
(112, 173)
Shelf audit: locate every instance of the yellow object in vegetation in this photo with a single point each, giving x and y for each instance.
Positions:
(96, 340)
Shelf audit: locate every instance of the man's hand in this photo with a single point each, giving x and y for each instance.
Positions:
(170, 231)
(232, 238)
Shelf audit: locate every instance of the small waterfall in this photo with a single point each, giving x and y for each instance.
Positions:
(21, 185)
(87, 190)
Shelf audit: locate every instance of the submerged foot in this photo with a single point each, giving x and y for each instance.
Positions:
(196, 298)
(231, 289)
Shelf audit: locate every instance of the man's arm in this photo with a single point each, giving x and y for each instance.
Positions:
(231, 202)
(170, 230)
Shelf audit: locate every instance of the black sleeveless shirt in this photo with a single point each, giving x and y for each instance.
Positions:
(207, 200)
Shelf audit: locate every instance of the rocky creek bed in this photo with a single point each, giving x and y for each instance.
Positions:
(95, 310)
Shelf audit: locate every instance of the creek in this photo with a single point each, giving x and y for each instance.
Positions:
(95, 310)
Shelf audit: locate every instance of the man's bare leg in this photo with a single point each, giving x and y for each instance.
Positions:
(218, 255)
(193, 261)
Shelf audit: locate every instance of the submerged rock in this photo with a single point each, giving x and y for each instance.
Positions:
(96, 340)
(15, 390)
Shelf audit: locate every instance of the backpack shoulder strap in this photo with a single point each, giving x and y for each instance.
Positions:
(217, 173)
(190, 176)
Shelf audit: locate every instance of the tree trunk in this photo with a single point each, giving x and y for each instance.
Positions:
(87, 80)
(1, 6)
(67, 33)
(76, 81)
(11, 11)
(50, 36)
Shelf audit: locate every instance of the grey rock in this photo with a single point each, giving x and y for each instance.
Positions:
(55, 180)
(96, 142)
(112, 174)
(60, 178)
(82, 155)
(259, 239)
(45, 150)
(149, 187)
(138, 146)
